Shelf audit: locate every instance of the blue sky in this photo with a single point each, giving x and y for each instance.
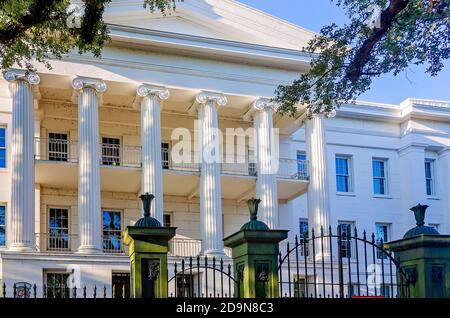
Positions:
(313, 14)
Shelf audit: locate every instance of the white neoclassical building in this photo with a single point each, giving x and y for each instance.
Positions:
(80, 143)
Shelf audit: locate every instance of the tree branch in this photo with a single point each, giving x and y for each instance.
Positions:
(388, 17)
(39, 11)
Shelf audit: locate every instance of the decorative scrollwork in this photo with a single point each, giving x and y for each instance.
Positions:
(240, 272)
(12, 75)
(153, 270)
(218, 98)
(81, 83)
(262, 272)
(161, 92)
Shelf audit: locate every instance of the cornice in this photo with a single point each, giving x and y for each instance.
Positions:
(197, 45)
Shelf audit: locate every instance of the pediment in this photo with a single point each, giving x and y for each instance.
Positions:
(219, 19)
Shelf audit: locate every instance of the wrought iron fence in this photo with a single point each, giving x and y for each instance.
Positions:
(202, 278)
(26, 290)
(339, 265)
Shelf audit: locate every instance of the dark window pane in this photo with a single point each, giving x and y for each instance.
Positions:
(2, 158)
(2, 236)
(2, 137)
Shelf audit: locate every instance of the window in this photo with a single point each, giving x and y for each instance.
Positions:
(110, 151)
(165, 155)
(304, 237)
(251, 162)
(2, 225)
(112, 229)
(346, 239)
(57, 285)
(57, 147)
(167, 219)
(303, 228)
(300, 288)
(121, 285)
(185, 285)
(429, 177)
(343, 175)
(379, 176)
(58, 230)
(2, 147)
(381, 236)
(302, 167)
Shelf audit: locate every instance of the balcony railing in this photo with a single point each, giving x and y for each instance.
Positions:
(293, 169)
(182, 247)
(51, 242)
(59, 150)
(112, 244)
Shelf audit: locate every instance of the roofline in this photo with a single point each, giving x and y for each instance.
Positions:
(409, 108)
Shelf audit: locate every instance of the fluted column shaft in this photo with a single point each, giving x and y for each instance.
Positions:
(210, 187)
(266, 162)
(21, 217)
(318, 193)
(89, 199)
(152, 177)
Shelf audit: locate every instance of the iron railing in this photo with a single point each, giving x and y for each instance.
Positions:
(202, 278)
(59, 150)
(61, 290)
(339, 265)
(68, 243)
(56, 242)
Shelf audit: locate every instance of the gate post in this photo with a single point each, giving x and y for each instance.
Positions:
(255, 257)
(424, 259)
(148, 245)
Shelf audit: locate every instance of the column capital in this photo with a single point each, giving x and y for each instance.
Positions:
(160, 91)
(217, 98)
(323, 113)
(13, 75)
(264, 103)
(79, 83)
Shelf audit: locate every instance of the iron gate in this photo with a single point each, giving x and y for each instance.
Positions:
(338, 266)
(202, 278)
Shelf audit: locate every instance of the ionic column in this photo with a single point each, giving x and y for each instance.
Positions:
(318, 194)
(152, 175)
(21, 216)
(267, 161)
(89, 214)
(210, 188)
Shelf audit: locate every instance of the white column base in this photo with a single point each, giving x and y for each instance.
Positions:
(19, 248)
(88, 250)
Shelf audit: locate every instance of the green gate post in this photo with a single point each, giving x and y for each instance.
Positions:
(424, 258)
(255, 257)
(148, 244)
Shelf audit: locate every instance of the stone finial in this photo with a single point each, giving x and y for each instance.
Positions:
(254, 224)
(147, 220)
(419, 214)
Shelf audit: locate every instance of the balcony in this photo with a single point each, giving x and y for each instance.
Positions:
(112, 244)
(56, 166)
(184, 247)
(68, 243)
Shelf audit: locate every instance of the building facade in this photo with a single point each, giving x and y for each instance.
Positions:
(80, 143)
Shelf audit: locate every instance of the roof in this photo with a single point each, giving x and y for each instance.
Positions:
(219, 19)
